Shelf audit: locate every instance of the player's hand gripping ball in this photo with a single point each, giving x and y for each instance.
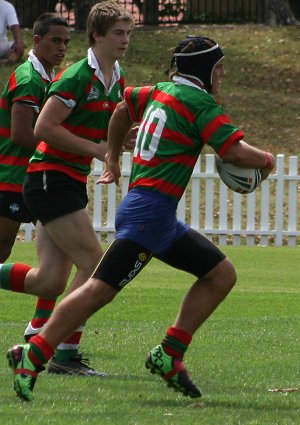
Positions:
(239, 179)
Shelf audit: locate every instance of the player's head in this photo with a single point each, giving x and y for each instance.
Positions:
(103, 15)
(43, 23)
(51, 36)
(196, 57)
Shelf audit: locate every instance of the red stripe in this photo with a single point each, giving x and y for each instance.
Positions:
(17, 277)
(3, 104)
(143, 97)
(213, 126)
(14, 160)
(4, 132)
(43, 304)
(100, 106)
(86, 132)
(33, 99)
(25, 372)
(42, 166)
(180, 334)
(130, 107)
(70, 157)
(39, 322)
(65, 95)
(235, 137)
(175, 104)
(177, 137)
(12, 83)
(11, 187)
(122, 82)
(177, 367)
(74, 339)
(59, 74)
(186, 160)
(43, 346)
(160, 184)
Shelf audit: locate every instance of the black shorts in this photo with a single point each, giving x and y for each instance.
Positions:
(124, 259)
(12, 206)
(52, 194)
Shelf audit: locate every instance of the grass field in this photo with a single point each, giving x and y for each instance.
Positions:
(249, 346)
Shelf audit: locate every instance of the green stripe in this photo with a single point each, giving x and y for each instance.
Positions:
(42, 314)
(5, 276)
(38, 353)
(174, 343)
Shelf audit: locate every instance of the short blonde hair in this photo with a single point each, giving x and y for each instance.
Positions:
(105, 14)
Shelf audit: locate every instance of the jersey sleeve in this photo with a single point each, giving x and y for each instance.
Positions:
(27, 92)
(217, 130)
(136, 99)
(66, 89)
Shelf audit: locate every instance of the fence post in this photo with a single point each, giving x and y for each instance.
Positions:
(209, 194)
(292, 202)
(279, 200)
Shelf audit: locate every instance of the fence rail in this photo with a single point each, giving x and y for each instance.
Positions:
(268, 216)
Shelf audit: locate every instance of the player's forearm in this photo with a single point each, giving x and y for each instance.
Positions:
(18, 37)
(244, 155)
(60, 138)
(118, 129)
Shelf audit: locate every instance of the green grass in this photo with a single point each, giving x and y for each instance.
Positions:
(251, 343)
(248, 346)
(262, 84)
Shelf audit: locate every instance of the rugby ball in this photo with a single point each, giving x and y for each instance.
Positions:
(239, 179)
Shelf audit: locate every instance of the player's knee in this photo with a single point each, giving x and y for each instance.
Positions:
(52, 288)
(223, 277)
(98, 292)
(230, 276)
(5, 252)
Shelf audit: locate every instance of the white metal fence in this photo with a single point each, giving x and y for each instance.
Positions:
(269, 216)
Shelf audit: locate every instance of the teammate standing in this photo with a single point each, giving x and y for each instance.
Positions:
(73, 126)
(21, 102)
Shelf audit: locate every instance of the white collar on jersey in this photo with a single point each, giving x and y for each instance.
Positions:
(39, 67)
(93, 63)
(181, 80)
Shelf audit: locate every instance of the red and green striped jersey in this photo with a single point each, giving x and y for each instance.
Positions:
(176, 120)
(25, 85)
(92, 107)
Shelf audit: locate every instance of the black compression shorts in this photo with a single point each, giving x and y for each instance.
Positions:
(124, 259)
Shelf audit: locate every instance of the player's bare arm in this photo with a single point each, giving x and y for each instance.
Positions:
(244, 155)
(118, 129)
(49, 128)
(21, 129)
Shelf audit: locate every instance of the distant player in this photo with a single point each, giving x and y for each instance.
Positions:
(11, 51)
(176, 119)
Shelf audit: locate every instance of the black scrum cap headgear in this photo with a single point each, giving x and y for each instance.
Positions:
(196, 57)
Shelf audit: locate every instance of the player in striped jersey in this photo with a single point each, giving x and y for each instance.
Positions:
(176, 119)
(20, 104)
(72, 128)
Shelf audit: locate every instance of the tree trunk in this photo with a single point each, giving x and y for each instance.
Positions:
(275, 12)
(81, 10)
(28, 11)
(150, 12)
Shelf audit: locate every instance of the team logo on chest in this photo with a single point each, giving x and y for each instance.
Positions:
(93, 94)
